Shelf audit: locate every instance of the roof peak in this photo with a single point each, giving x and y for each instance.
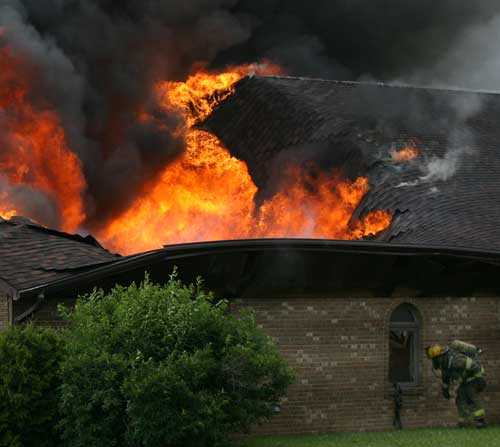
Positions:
(22, 221)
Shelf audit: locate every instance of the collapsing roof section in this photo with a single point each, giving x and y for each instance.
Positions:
(31, 255)
(447, 197)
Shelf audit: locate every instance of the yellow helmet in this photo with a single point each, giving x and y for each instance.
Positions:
(434, 351)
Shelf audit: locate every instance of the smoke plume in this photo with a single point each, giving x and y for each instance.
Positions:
(95, 62)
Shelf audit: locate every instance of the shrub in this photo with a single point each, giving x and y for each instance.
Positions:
(29, 380)
(165, 366)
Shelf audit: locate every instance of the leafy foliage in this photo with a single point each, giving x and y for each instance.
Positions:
(29, 381)
(164, 366)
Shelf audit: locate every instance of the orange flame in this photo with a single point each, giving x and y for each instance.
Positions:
(204, 195)
(319, 207)
(35, 152)
(404, 155)
(207, 194)
(7, 209)
(197, 97)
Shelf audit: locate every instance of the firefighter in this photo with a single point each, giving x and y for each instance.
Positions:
(456, 367)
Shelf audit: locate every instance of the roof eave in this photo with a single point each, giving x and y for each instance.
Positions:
(103, 271)
(180, 251)
(8, 290)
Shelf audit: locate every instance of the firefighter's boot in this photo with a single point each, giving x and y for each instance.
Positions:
(480, 423)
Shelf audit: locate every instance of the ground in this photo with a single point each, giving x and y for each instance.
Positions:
(489, 437)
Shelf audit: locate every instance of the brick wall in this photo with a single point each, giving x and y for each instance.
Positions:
(339, 349)
(4, 311)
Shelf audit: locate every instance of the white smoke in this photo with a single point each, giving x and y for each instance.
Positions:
(442, 169)
(461, 139)
(472, 63)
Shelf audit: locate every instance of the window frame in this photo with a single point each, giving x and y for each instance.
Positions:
(415, 327)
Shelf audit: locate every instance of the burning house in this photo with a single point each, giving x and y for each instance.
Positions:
(359, 221)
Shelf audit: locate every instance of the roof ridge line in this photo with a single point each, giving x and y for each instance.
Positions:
(390, 84)
(88, 240)
(22, 221)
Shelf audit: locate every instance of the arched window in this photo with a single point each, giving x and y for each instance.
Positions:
(404, 335)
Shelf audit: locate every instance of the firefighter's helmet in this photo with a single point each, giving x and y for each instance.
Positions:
(434, 351)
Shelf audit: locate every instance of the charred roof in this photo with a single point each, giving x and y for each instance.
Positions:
(447, 197)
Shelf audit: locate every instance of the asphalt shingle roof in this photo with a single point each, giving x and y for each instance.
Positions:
(356, 126)
(31, 255)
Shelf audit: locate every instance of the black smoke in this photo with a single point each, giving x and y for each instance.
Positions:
(99, 58)
(383, 39)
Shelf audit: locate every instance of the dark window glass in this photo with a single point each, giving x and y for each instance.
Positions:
(403, 315)
(402, 356)
(403, 345)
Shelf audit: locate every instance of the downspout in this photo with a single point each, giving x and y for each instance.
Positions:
(11, 310)
(32, 309)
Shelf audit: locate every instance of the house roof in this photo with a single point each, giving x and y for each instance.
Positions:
(31, 255)
(448, 197)
(341, 125)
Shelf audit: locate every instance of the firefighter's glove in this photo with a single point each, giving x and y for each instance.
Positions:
(446, 393)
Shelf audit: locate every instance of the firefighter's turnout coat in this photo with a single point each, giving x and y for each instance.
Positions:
(467, 372)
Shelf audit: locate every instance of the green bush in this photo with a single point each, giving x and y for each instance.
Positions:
(29, 381)
(165, 366)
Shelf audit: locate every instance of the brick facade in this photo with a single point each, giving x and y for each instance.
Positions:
(339, 348)
(5, 311)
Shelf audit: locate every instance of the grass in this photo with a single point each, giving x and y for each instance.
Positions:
(489, 437)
